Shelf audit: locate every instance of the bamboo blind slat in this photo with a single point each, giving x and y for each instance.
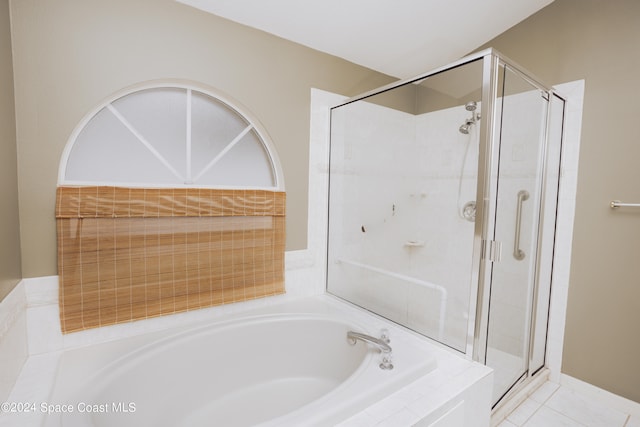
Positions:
(118, 202)
(128, 254)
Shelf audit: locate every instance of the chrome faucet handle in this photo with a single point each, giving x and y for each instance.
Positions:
(387, 361)
(387, 358)
(384, 335)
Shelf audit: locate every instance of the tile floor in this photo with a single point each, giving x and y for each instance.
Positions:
(557, 406)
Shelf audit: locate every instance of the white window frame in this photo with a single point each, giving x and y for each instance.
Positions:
(188, 180)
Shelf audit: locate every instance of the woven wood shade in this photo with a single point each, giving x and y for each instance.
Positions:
(130, 253)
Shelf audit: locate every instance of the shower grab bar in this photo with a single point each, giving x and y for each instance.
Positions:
(618, 204)
(442, 290)
(517, 252)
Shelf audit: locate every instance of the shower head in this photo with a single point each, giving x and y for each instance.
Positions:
(466, 126)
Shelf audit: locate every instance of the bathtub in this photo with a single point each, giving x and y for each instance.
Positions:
(290, 364)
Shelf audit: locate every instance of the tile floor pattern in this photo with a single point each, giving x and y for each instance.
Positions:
(556, 406)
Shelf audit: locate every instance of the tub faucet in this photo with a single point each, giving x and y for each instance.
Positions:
(381, 344)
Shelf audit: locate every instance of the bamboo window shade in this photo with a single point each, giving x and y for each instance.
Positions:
(126, 254)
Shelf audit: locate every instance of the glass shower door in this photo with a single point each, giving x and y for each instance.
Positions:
(523, 110)
(403, 180)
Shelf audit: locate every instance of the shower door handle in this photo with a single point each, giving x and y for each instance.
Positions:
(517, 252)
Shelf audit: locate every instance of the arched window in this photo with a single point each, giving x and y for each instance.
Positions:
(170, 136)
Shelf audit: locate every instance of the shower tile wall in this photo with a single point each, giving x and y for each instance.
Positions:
(397, 178)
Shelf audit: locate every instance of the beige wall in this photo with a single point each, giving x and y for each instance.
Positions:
(71, 54)
(597, 40)
(10, 271)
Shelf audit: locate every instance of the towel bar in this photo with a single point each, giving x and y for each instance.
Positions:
(618, 204)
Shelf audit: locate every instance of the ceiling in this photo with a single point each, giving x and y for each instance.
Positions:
(401, 38)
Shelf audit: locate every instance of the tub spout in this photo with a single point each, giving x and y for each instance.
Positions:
(382, 346)
(380, 343)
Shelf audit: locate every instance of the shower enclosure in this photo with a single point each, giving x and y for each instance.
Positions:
(442, 209)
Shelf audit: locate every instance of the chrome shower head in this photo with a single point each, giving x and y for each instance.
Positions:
(466, 126)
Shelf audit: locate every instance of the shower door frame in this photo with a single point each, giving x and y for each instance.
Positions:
(487, 251)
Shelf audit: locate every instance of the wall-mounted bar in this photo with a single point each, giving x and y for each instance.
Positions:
(618, 204)
(517, 252)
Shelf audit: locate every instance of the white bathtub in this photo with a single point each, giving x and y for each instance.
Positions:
(287, 365)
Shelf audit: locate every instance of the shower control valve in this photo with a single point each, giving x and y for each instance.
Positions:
(469, 211)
